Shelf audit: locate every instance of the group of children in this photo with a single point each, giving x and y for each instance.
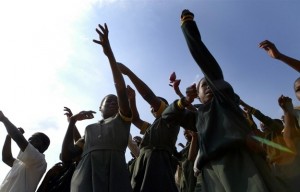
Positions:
(225, 151)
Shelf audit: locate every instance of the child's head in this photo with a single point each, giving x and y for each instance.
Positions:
(204, 92)
(109, 106)
(297, 88)
(40, 141)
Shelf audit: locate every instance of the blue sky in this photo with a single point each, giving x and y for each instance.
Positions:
(48, 59)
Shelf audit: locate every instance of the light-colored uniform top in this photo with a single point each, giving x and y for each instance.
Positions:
(26, 172)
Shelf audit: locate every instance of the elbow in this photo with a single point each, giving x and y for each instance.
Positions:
(8, 161)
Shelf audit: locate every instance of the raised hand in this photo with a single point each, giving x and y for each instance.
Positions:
(103, 39)
(83, 115)
(68, 113)
(191, 93)
(130, 92)
(175, 84)
(270, 48)
(285, 103)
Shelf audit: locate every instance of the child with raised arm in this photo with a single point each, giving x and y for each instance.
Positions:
(30, 165)
(289, 171)
(274, 53)
(103, 166)
(226, 162)
(154, 169)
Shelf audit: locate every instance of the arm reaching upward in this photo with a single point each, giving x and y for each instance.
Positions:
(117, 75)
(69, 149)
(14, 132)
(141, 87)
(200, 53)
(139, 123)
(7, 157)
(290, 133)
(69, 114)
(274, 53)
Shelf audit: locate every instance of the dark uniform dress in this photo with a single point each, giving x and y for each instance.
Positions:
(153, 170)
(187, 180)
(226, 162)
(103, 167)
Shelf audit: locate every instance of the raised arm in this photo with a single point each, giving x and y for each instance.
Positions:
(13, 132)
(266, 120)
(133, 147)
(139, 123)
(274, 53)
(175, 84)
(141, 87)
(193, 150)
(7, 157)
(290, 133)
(200, 53)
(69, 114)
(69, 149)
(117, 75)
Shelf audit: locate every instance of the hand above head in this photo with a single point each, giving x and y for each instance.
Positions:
(270, 48)
(103, 39)
(83, 115)
(130, 92)
(191, 93)
(68, 113)
(175, 84)
(285, 103)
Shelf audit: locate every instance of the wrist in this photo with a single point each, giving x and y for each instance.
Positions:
(182, 103)
(280, 56)
(72, 119)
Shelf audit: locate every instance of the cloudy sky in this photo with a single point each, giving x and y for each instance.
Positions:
(48, 59)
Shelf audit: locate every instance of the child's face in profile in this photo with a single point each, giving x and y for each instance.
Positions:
(204, 92)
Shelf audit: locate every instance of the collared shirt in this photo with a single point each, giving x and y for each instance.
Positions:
(26, 172)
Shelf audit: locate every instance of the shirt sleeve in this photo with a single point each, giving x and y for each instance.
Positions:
(31, 156)
(128, 119)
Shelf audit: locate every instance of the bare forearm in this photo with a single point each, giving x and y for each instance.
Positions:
(7, 157)
(294, 63)
(76, 134)
(15, 134)
(68, 144)
(141, 87)
(193, 149)
(11, 129)
(119, 84)
(290, 131)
